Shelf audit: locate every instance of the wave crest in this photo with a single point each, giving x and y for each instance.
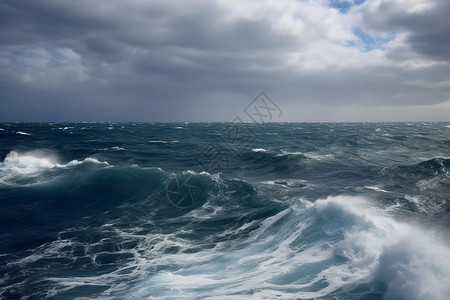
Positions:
(27, 163)
(18, 168)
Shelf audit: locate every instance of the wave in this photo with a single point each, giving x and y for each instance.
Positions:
(330, 248)
(259, 150)
(114, 148)
(274, 163)
(425, 175)
(335, 247)
(27, 163)
(90, 229)
(197, 235)
(435, 164)
(23, 133)
(162, 142)
(36, 161)
(18, 167)
(136, 213)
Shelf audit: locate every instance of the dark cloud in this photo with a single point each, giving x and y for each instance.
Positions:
(206, 60)
(427, 28)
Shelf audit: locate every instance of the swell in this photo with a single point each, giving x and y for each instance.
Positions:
(90, 225)
(335, 247)
(421, 187)
(124, 236)
(101, 222)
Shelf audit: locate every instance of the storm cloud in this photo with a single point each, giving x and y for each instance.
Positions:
(198, 60)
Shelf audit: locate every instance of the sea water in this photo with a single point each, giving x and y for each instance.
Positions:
(224, 211)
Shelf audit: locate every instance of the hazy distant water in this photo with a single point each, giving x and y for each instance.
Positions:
(224, 211)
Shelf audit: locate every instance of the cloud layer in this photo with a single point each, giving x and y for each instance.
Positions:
(205, 60)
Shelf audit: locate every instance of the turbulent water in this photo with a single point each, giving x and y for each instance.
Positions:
(224, 211)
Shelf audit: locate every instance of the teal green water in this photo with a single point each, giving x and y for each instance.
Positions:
(224, 210)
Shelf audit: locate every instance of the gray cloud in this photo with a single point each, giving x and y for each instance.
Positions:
(205, 60)
(427, 29)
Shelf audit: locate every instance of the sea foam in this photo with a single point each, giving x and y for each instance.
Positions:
(26, 163)
(19, 166)
(322, 249)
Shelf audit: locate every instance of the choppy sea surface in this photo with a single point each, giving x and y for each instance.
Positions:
(224, 211)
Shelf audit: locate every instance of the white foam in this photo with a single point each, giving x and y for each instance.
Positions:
(27, 163)
(427, 184)
(86, 160)
(319, 156)
(35, 162)
(191, 172)
(163, 142)
(23, 133)
(115, 148)
(272, 259)
(287, 153)
(315, 156)
(404, 257)
(340, 241)
(259, 150)
(376, 188)
(289, 183)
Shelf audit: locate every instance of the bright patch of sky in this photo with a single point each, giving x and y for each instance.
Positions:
(344, 6)
(369, 42)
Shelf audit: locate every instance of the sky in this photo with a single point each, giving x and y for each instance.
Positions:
(207, 60)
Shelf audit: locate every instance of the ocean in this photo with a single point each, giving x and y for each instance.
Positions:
(224, 210)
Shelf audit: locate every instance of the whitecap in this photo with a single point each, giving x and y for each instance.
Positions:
(289, 153)
(34, 163)
(86, 160)
(115, 148)
(376, 188)
(162, 142)
(285, 257)
(284, 153)
(319, 156)
(23, 133)
(27, 163)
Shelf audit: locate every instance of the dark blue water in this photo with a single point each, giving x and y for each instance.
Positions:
(224, 211)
